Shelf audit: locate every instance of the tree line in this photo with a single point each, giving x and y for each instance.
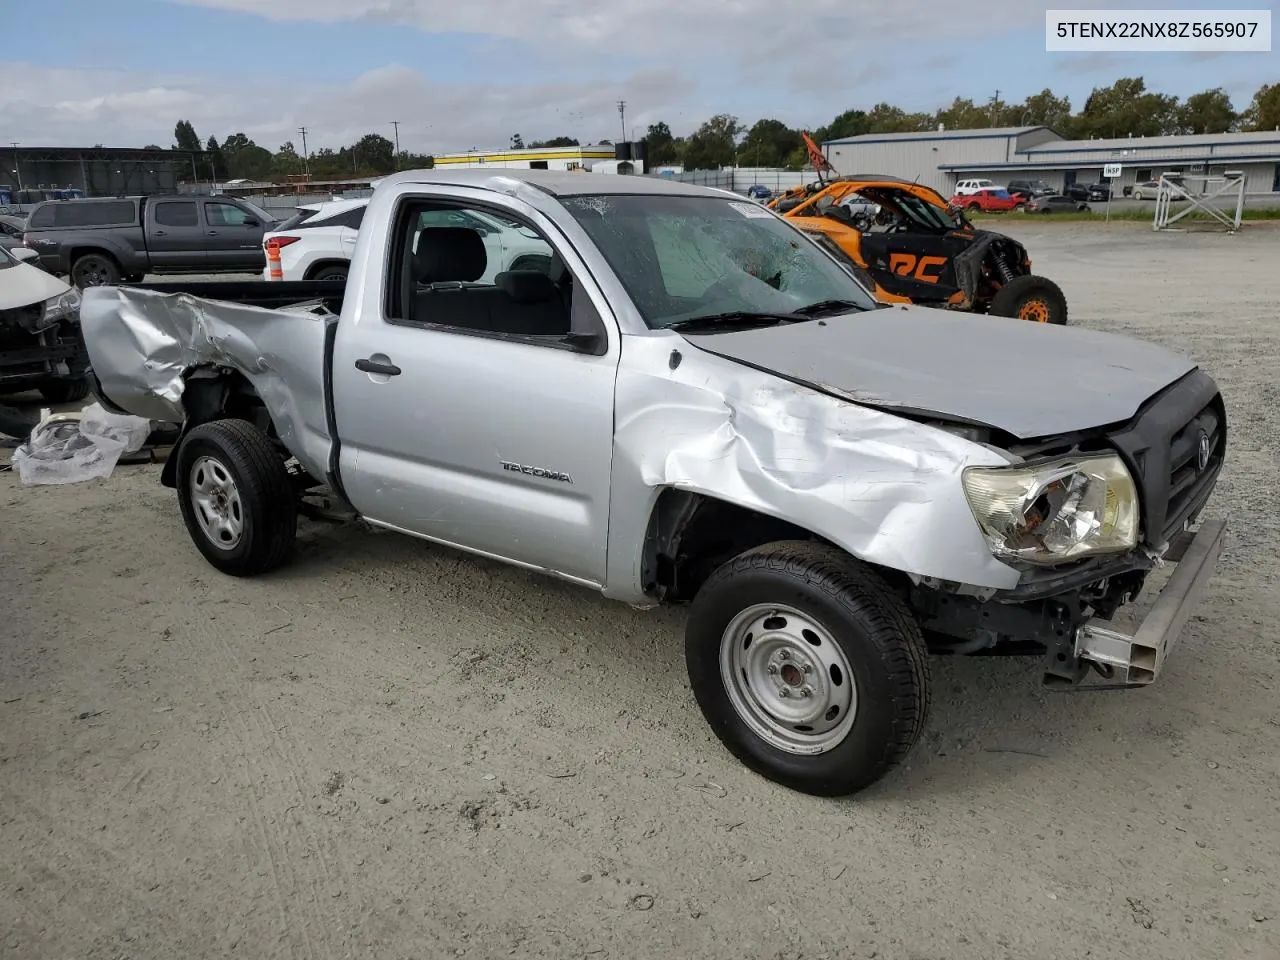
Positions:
(1126, 108)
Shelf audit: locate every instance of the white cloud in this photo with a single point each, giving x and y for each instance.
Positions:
(60, 107)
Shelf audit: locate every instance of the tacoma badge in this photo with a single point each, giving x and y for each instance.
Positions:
(536, 471)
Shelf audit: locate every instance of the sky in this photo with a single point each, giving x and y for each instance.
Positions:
(463, 74)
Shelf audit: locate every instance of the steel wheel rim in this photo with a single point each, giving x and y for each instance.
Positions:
(215, 500)
(768, 659)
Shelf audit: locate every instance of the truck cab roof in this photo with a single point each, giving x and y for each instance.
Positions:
(556, 183)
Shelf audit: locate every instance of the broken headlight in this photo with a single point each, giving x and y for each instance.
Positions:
(1056, 511)
(62, 307)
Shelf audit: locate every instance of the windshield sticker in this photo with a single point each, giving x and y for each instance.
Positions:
(753, 210)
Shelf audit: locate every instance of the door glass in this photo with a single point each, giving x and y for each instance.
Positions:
(177, 213)
(224, 215)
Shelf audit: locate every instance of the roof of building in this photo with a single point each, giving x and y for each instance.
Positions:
(984, 133)
(558, 183)
(1157, 143)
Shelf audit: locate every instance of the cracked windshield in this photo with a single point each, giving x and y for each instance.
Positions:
(691, 258)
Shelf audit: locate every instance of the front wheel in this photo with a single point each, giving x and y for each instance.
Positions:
(331, 273)
(809, 669)
(1033, 298)
(236, 497)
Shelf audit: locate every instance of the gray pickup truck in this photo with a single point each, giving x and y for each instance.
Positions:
(106, 240)
(694, 403)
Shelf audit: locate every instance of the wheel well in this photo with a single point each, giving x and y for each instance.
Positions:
(79, 252)
(691, 535)
(324, 265)
(218, 393)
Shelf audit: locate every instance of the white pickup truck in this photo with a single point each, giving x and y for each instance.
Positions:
(691, 402)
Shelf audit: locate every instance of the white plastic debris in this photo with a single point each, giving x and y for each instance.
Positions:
(71, 448)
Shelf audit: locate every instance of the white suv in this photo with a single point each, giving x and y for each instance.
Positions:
(968, 187)
(317, 243)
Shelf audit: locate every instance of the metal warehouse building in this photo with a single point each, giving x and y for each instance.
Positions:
(943, 157)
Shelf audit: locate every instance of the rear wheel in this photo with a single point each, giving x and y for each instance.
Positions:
(236, 498)
(94, 270)
(65, 391)
(809, 669)
(334, 272)
(1033, 298)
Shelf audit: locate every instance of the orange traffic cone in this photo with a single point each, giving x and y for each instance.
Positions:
(274, 268)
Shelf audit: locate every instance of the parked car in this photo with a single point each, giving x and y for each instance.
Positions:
(317, 242)
(1149, 189)
(990, 200)
(693, 404)
(759, 193)
(11, 229)
(1029, 188)
(966, 187)
(104, 241)
(1056, 203)
(40, 343)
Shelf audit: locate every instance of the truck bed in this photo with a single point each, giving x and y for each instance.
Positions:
(255, 293)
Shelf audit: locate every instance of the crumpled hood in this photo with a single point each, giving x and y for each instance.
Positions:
(1029, 379)
(22, 285)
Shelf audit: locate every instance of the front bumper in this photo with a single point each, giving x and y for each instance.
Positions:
(1137, 659)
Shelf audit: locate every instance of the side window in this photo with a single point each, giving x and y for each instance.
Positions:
(351, 218)
(224, 215)
(476, 272)
(177, 213)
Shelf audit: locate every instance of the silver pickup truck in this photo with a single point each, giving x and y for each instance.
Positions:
(686, 400)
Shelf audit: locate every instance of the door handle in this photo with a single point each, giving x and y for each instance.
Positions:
(213, 233)
(375, 366)
(159, 233)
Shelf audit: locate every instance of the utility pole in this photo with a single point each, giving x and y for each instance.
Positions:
(622, 115)
(17, 164)
(396, 124)
(995, 107)
(306, 165)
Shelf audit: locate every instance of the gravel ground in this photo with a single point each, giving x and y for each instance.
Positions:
(392, 750)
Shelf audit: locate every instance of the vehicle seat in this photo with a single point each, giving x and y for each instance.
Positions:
(449, 261)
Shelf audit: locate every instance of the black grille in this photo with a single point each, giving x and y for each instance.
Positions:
(1174, 469)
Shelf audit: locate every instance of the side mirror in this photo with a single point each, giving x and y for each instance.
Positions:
(25, 254)
(251, 223)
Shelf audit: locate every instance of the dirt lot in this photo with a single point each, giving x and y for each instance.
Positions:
(390, 750)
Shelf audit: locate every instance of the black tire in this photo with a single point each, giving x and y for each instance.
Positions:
(65, 391)
(1033, 298)
(268, 512)
(331, 272)
(94, 270)
(16, 424)
(875, 634)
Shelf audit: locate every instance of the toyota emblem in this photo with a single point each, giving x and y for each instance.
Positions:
(1202, 451)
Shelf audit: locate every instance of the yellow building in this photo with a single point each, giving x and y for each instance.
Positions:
(535, 158)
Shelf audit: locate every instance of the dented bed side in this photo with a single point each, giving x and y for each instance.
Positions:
(143, 345)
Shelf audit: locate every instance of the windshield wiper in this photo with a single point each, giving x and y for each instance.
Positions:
(733, 318)
(829, 306)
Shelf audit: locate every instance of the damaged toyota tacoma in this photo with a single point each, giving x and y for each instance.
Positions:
(687, 400)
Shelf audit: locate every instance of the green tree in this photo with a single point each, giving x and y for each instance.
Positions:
(1127, 108)
(851, 123)
(886, 118)
(516, 142)
(286, 161)
(216, 158)
(1207, 112)
(1043, 109)
(556, 142)
(660, 145)
(373, 154)
(184, 135)
(245, 159)
(964, 114)
(1263, 112)
(769, 143)
(714, 144)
